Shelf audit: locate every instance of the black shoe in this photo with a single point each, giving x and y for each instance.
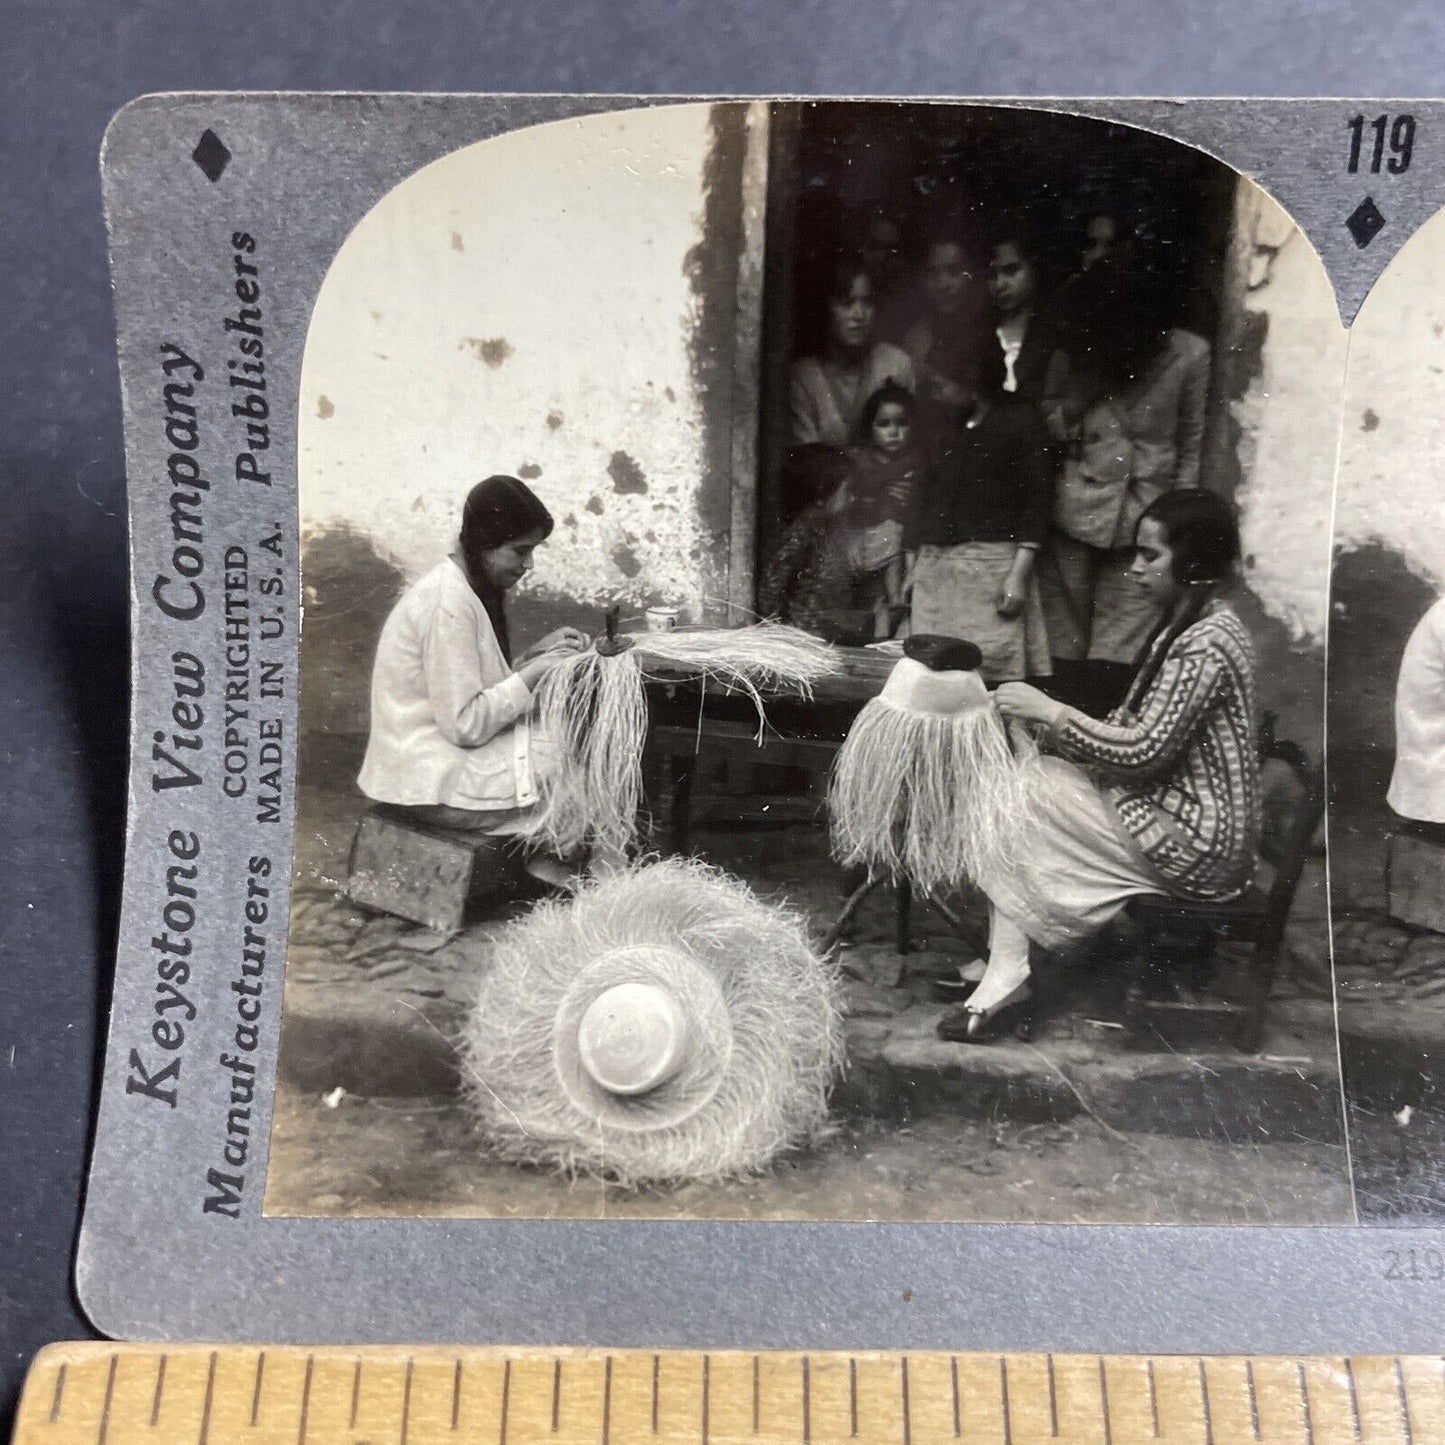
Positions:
(1013, 1018)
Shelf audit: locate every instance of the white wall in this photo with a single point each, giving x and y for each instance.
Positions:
(1288, 417)
(522, 305)
(1392, 463)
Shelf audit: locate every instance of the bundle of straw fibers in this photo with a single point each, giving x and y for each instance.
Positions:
(927, 785)
(592, 711)
(662, 1025)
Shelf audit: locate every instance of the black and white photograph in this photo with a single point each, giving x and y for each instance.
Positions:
(812, 681)
(1387, 740)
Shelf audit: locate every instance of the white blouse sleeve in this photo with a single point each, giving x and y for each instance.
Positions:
(469, 708)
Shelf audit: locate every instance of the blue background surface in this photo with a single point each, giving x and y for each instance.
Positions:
(63, 587)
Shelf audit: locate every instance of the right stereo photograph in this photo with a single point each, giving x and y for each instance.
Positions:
(1386, 692)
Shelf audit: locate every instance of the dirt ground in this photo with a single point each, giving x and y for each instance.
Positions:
(419, 1156)
(343, 1154)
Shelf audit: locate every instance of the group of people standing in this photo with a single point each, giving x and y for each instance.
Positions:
(1021, 470)
(971, 454)
(1025, 462)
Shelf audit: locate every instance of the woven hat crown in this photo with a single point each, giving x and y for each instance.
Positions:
(914, 688)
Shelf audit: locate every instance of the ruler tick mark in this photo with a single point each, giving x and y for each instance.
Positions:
(457, 1393)
(757, 1393)
(1304, 1399)
(1053, 1400)
(556, 1393)
(1103, 1400)
(406, 1401)
(1253, 1398)
(109, 1397)
(1204, 1401)
(506, 1401)
(1409, 1432)
(807, 1405)
(706, 1387)
(256, 1388)
(907, 1412)
(957, 1413)
(59, 1391)
(355, 1394)
(209, 1400)
(1008, 1433)
(656, 1369)
(1153, 1397)
(852, 1398)
(305, 1400)
(607, 1401)
(159, 1390)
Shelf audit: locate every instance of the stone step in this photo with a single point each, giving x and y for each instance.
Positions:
(374, 1040)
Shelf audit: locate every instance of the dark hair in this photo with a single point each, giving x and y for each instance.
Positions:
(1117, 319)
(1022, 234)
(844, 271)
(889, 392)
(1203, 534)
(1202, 530)
(990, 369)
(497, 511)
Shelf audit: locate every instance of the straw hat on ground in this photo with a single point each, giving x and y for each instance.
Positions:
(665, 1024)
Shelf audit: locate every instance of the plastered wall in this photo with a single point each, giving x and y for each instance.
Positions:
(530, 304)
(1286, 414)
(1390, 509)
(1392, 454)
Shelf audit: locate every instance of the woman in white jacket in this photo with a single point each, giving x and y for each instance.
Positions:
(451, 731)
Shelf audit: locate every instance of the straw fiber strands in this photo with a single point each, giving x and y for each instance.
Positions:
(664, 1024)
(937, 797)
(592, 710)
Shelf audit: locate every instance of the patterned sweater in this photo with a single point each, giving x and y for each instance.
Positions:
(1180, 766)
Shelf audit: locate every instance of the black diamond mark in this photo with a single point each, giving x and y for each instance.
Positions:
(1365, 222)
(213, 157)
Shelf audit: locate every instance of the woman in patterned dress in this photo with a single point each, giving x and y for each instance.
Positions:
(1161, 797)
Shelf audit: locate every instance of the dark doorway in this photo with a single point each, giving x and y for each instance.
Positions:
(858, 176)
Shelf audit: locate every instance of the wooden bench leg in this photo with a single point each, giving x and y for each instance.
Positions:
(850, 907)
(680, 767)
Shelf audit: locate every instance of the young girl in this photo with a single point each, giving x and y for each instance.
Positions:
(981, 515)
(1161, 797)
(831, 559)
(887, 472)
(450, 737)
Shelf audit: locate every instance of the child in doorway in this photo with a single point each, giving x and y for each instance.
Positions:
(832, 557)
(886, 477)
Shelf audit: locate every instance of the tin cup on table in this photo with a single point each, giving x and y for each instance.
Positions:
(661, 619)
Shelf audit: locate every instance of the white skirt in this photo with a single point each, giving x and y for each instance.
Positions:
(1080, 867)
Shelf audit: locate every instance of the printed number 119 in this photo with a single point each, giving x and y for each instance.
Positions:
(1402, 143)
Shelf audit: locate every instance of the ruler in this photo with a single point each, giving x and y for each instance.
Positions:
(101, 1394)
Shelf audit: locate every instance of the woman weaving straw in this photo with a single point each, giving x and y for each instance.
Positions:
(1161, 797)
(451, 740)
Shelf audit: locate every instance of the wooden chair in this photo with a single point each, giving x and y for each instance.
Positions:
(1176, 939)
